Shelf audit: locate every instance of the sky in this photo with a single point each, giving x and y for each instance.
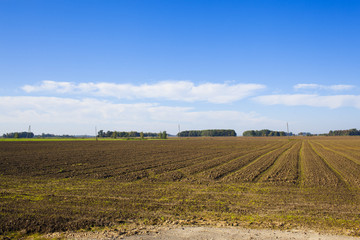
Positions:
(70, 66)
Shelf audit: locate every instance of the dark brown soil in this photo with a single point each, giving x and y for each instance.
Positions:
(251, 182)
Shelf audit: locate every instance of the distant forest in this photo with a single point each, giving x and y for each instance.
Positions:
(132, 134)
(263, 133)
(43, 135)
(191, 133)
(19, 135)
(350, 132)
(208, 133)
(270, 133)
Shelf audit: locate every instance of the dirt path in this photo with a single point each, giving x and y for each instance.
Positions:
(200, 233)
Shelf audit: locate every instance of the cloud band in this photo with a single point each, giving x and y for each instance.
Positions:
(169, 90)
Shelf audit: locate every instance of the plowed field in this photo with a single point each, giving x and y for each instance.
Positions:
(254, 182)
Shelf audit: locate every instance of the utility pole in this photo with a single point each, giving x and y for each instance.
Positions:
(287, 127)
(29, 131)
(96, 138)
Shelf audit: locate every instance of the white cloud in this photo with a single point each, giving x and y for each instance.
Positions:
(79, 116)
(313, 100)
(168, 90)
(339, 87)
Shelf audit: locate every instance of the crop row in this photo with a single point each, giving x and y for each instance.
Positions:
(346, 169)
(315, 171)
(286, 168)
(303, 162)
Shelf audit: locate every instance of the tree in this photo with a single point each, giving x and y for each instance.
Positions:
(114, 134)
(142, 135)
(101, 133)
(162, 135)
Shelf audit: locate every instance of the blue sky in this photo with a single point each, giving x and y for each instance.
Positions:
(68, 66)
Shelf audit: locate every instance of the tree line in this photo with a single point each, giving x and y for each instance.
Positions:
(43, 135)
(208, 133)
(349, 132)
(131, 134)
(50, 135)
(190, 133)
(263, 133)
(18, 135)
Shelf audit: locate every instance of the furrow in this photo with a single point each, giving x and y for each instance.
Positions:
(315, 171)
(300, 166)
(346, 170)
(284, 169)
(153, 171)
(350, 155)
(250, 171)
(232, 164)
